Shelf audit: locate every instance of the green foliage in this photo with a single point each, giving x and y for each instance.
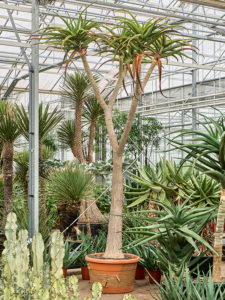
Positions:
(71, 255)
(72, 39)
(92, 109)
(48, 120)
(183, 288)
(104, 202)
(71, 183)
(178, 228)
(145, 132)
(21, 160)
(50, 141)
(91, 245)
(66, 134)
(9, 130)
(207, 149)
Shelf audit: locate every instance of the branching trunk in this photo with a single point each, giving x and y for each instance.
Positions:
(218, 243)
(78, 136)
(8, 178)
(114, 238)
(42, 185)
(91, 142)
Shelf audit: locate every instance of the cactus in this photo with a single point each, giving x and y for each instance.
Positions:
(19, 281)
(129, 297)
(57, 254)
(96, 291)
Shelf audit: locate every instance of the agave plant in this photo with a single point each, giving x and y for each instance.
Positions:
(207, 149)
(176, 229)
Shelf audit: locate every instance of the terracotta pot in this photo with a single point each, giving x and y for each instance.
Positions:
(140, 273)
(156, 274)
(116, 276)
(85, 273)
(64, 272)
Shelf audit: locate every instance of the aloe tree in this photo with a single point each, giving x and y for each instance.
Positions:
(207, 150)
(129, 45)
(9, 132)
(91, 112)
(48, 120)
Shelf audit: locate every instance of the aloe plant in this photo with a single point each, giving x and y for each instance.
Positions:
(207, 150)
(176, 229)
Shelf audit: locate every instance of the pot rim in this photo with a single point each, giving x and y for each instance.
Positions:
(112, 261)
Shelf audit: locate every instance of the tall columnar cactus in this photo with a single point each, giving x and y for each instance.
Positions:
(38, 249)
(20, 281)
(57, 254)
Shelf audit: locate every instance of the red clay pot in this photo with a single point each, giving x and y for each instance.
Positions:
(64, 272)
(116, 276)
(85, 273)
(156, 274)
(140, 273)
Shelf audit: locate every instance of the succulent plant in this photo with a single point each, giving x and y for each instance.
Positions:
(20, 282)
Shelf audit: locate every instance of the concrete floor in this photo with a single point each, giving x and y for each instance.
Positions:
(142, 289)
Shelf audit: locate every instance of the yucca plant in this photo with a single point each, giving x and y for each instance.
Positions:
(75, 38)
(207, 150)
(21, 160)
(76, 88)
(48, 120)
(91, 112)
(9, 132)
(176, 229)
(66, 135)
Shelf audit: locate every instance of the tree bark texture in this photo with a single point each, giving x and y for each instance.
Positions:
(218, 243)
(73, 149)
(78, 136)
(8, 178)
(114, 237)
(91, 142)
(42, 203)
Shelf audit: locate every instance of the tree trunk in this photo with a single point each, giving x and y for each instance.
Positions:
(91, 142)
(8, 178)
(73, 149)
(78, 136)
(42, 202)
(114, 238)
(218, 243)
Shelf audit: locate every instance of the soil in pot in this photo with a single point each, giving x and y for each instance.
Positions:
(155, 276)
(204, 268)
(85, 273)
(64, 272)
(140, 273)
(116, 276)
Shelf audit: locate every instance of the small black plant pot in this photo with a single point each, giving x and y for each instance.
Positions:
(207, 263)
(94, 228)
(75, 245)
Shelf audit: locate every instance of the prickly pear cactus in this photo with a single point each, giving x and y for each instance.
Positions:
(57, 254)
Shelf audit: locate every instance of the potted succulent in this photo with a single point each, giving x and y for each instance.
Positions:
(71, 255)
(207, 150)
(74, 39)
(89, 246)
(178, 229)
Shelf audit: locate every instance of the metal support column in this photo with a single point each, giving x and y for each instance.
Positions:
(34, 128)
(194, 80)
